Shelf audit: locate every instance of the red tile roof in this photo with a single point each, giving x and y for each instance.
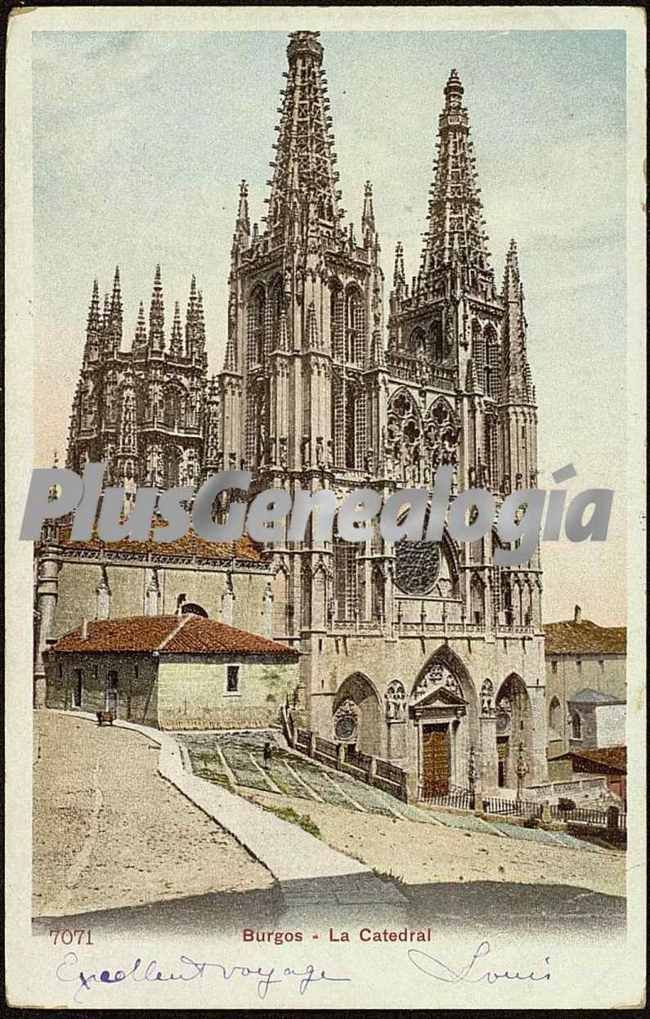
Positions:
(584, 637)
(185, 634)
(189, 545)
(614, 758)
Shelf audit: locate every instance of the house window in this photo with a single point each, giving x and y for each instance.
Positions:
(77, 688)
(601, 663)
(576, 726)
(554, 667)
(578, 665)
(232, 679)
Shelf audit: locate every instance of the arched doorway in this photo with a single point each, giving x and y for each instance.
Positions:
(513, 731)
(357, 715)
(442, 705)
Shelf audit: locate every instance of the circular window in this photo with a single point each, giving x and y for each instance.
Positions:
(417, 564)
(345, 727)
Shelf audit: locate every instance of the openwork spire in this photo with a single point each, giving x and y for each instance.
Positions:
(176, 339)
(94, 319)
(116, 299)
(140, 339)
(194, 323)
(157, 315)
(304, 164)
(455, 210)
(516, 369)
(399, 276)
(241, 237)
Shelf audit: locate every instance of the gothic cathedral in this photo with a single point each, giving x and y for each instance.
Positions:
(428, 655)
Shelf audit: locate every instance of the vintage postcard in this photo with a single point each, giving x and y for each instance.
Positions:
(325, 674)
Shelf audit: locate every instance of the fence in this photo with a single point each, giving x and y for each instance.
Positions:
(463, 799)
(515, 808)
(612, 818)
(345, 757)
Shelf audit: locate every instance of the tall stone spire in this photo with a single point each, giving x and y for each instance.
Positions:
(242, 235)
(176, 339)
(304, 164)
(194, 323)
(516, 372)
(368, 225)
(399, 275)
(157, 316)
(455, 212)
(94, 326)
(140, 338)
(114, 335)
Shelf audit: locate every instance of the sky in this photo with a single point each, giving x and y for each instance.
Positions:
(140, 140)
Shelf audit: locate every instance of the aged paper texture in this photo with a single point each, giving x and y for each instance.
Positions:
(388, 765)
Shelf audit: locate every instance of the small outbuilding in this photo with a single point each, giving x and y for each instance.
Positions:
(174, 672)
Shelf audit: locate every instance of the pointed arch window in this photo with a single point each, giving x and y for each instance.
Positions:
(345, 579)
(554, 718)
(478, 353)
(355, 323)
(255, 327)
(337, 322)
(492, 382)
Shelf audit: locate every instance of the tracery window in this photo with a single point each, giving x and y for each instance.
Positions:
(417, 566)
(255, 335)
(441, 434)
(404, 445)
(395, 701)
(355, 327)
(345, 579)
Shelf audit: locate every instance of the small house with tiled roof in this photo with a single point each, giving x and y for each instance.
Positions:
(608, 761)
(172, 671)
(585, 684)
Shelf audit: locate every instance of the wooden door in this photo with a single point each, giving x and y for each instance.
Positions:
(111, 693)
(435, 761)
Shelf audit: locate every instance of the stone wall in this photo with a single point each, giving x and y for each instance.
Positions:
(610, 725)
(566, 675)
(331, 660)
(136, 684)
(128, 582)
(192, 693)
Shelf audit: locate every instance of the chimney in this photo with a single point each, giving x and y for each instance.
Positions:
(84, 629)
(577, 614)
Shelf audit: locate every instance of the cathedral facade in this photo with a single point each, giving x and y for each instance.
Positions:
(429, 655)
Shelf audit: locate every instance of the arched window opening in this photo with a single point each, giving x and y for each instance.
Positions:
(337, 322)
(355, 328)
(417, 344)
(345, 579)
(492, 383)
(255, 338)
(554, 718)
(190, 608)
(477, 599)
(576, 726)
(435, 337)
(478, 353)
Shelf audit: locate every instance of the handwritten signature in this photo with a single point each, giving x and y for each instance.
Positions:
(472, 972)
(186, 970)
